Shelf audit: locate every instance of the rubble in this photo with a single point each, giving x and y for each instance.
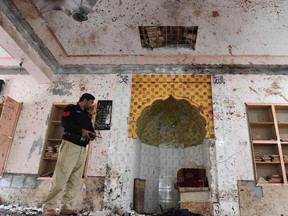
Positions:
(178, 212)
(14, 210)
(18, 210)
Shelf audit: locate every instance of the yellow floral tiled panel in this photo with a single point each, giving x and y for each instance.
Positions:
(194, 88)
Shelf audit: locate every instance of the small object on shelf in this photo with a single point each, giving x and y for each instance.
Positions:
(54, 155)
(52, 151)
(257, 156)
(266, 158)
(48, 174)
(275, 158)
(284, 140)
(262, 180)
(274, 178)
(48, 154)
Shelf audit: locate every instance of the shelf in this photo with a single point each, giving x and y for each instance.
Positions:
(262, 124)
(270, 184)
(260, 113)
(281, 113)
(264, 132)
(52, 159)
(268, 163)
(268, 127)
(53, 138)
(54, 135)
(58, 123)
(265, 142)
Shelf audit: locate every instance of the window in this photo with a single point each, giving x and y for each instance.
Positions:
(168, 36)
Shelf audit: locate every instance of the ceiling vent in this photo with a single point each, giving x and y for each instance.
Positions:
(168, 36)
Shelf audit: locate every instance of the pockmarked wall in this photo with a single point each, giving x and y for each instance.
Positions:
(115, 156)
(233, 149)
(37, 99)
(231, 159)
(20, 175)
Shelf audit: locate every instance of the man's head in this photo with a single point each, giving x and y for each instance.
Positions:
(86, 101)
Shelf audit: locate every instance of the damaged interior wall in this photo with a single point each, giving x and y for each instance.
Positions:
(233, 149)
(114, 159)
(34, 117)
(29, 138)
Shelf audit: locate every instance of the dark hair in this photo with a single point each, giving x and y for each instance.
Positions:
(86, 96)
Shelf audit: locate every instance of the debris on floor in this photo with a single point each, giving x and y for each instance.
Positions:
(178, 212)
(18, 210)
(14, 210)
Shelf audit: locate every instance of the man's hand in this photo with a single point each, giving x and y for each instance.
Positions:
(92, 135)
(85, 133)
(88, 134)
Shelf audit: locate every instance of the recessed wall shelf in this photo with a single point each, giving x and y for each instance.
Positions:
(53, 140)
(268, 127)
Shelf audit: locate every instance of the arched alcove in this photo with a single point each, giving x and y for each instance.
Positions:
(195, 89)
(171, 132)
(171, 121)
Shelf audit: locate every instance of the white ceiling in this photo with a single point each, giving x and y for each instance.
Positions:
(237, 32)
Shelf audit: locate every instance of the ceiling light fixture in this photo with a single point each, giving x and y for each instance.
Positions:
(71, 8)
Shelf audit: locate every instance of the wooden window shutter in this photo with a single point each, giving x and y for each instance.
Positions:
(8, 121)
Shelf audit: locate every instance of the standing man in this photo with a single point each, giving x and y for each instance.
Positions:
(78, 131)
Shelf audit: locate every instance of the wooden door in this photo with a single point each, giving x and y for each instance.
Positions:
(8, 121)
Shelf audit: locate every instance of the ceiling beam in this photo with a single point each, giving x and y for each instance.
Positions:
(174, 69)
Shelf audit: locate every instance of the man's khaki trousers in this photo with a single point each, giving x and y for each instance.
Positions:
(67, 176)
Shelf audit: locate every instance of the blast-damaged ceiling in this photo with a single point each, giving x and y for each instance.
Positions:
(237, 32)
